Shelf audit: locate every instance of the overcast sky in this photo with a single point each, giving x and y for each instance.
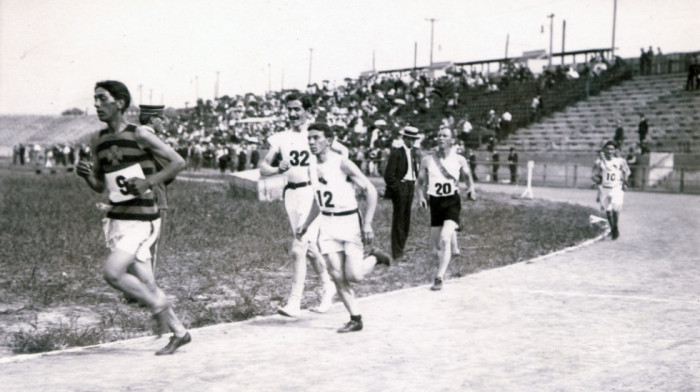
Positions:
(53, 51)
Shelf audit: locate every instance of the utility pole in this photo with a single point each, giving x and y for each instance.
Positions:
(140, 94)
(374, 59)
(612, 52)
(551, 32)
(282, 83)
(563, 40)
(216, 86)
(432, 31)
(415, 54)
(150, 97)
(311, 52)
(507, 39)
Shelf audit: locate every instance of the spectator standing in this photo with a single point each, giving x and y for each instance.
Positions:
(619, 136)
(632, 164)
(15, 154)
(643, 130)
(153, 117)
(693, 74)
(536, 108)
(493, 122)
(222, 161)
(643, 62)
(650, 60)
(472, 164)
(254, 156)
(495, 158)
(465, 129)
(513, 165)
(242, 158)
(197, 155)
(506, 121)
(400, 178)
(22, 152)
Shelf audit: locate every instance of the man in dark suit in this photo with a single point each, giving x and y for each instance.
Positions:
(400, 178)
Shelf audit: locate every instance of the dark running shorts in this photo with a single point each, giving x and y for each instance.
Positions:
(444, 208)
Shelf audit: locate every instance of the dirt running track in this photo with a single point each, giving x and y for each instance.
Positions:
(609, 316)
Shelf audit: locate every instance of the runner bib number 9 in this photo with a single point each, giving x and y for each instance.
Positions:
(116, 182)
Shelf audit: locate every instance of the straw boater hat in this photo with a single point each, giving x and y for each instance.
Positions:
(411, 132)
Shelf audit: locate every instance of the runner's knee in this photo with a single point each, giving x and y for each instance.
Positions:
(299, 250)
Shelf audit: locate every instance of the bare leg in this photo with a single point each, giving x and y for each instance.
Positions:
(336, 267)
(143, 287)
(293, 306)
(455, 244)
(445, 249)
(327, 287)
(115, 273)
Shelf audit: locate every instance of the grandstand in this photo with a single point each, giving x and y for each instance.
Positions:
(670, 110)
(578, 113)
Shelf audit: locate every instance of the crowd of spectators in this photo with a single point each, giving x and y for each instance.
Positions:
(367, 113)
(49, 157)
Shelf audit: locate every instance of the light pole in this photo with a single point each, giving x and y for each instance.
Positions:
(269, 78)
(432, 31)
(216, 86)
(551, 32)
(612, 52)
(311, 52)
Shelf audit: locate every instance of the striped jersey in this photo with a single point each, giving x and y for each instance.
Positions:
(121, 158)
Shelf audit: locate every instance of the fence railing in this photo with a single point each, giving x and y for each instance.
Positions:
(681, 179)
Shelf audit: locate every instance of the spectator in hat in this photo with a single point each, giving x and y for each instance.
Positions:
(400, 178)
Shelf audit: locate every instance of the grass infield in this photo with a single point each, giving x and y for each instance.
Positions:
(223, 258)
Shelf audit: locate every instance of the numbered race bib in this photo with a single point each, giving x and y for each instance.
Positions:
(116, 182)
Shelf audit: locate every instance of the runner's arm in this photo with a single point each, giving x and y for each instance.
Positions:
(422, 182)
(365, 185)
(174, 163)
(464, 168)
(92, 171)
(313, 213)
(266, 168)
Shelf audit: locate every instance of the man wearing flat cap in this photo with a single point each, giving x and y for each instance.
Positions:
(153, 117)
(400, 178)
